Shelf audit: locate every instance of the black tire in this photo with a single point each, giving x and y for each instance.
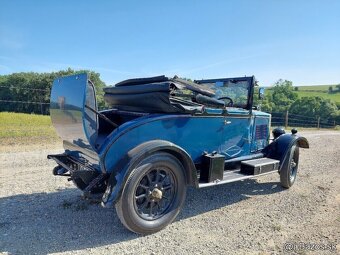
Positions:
(289, 170)
(153, 194)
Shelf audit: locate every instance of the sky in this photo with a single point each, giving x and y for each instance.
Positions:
(293, 40)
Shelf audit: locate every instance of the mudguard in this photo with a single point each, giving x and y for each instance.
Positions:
(123, 169)
(280, 148)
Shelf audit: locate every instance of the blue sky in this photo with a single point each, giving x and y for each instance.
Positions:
(294, 40)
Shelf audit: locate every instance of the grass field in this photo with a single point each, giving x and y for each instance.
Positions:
(305, 93)
(318, 90)
(323, 88)
(22, 128)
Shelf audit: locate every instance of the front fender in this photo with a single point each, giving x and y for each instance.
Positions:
(279, 149)
(124, 167)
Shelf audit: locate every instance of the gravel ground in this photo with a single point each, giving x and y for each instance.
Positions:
(43, 214)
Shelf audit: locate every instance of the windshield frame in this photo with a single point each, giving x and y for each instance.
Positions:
(250, 80)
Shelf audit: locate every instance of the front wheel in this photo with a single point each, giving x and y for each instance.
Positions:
(153, 194)
(289, 170)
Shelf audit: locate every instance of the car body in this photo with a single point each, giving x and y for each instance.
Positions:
(161, 135)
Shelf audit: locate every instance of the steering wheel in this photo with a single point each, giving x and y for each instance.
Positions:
(230, 103)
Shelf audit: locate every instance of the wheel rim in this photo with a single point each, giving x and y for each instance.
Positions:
(155, 193)
(293, 171)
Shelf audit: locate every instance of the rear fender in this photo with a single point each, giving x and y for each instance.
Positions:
(280, 148)
(125, 166)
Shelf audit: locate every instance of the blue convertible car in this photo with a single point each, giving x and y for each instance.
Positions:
(159, 136)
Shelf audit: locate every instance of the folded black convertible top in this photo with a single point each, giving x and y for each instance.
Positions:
(162, 79)
(154, 95)
(138, 81)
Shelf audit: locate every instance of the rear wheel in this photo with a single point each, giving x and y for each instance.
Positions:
(289, 170)
(153, 194)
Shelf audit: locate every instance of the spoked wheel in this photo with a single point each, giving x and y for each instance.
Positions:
(153, 194)
(289, 170)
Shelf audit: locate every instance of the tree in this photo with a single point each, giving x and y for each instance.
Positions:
(35, 88)
(314, 107)
(267, 105)
(283, 95)
(338, 105)
(330, 89)
(336, 117)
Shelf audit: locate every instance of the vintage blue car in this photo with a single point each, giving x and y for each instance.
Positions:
(161, 135)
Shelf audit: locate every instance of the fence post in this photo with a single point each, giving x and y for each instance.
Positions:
(286, 122)
(319, 122)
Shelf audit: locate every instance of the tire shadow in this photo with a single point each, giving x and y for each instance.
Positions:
(42, 223)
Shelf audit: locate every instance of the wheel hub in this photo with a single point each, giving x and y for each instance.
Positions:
(156, 194)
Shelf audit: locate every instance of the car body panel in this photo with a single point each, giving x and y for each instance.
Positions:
(229, 135)
(73, 122)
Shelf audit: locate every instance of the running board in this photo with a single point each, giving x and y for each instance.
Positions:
(232, 176)
(249, 169)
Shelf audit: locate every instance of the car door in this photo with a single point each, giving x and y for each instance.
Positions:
(237, 117)
(236, 137)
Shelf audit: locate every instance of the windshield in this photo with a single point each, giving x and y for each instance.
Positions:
(238, 91)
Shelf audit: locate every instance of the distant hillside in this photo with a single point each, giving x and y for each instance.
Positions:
(318, 90)
(323, 88)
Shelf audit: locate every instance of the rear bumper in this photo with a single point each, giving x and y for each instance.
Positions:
(80, 171)
(72, 164)
(84, 175)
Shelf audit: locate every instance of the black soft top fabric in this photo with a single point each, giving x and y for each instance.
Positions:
(139, 89)
(152, 95)
(137, 81)
(150, 98)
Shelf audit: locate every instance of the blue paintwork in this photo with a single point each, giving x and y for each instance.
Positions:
(194, 134)
(72, 121)
(230, 132)
(66, 107)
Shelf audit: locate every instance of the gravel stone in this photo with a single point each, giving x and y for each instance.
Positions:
(44, 214)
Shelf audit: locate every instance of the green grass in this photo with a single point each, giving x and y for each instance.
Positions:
(323, 88)
(22, 125)
(319, 90)
(314, 91)
(334, 96)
